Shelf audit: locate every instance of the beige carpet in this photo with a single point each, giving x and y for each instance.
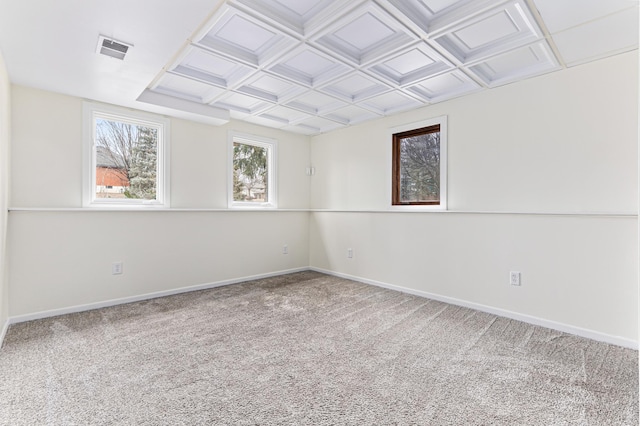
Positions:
(308, 349)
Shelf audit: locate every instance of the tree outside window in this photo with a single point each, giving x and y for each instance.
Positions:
(125, 157)
(416, 167)
(252, 171)
(126, 160)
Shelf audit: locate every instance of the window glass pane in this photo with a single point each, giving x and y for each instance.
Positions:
(420, 168)
(126, 160)
(250, 173)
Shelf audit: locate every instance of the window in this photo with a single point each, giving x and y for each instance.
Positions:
(126, 160)
(253, 171)
(419, 164)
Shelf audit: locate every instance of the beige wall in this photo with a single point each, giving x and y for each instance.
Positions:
(47, 154)
(5, 114)
(529, 164)
(550, 151)
(62, 259)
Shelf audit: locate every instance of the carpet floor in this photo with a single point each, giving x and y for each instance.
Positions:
(308, 349)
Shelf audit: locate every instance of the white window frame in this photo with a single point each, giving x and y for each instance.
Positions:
(442, 121)
(271, 145)
(92, 111)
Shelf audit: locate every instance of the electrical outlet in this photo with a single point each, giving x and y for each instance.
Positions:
(116, 268)
(285, 249)
(514, 278)
(350, 253)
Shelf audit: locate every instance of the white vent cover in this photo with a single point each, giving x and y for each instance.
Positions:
(112, 48)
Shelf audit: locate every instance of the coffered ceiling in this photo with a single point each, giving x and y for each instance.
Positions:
(312, 66)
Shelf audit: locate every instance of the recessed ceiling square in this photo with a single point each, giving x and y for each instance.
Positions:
(409, 62)
(436, 6)
(490, 33)
(211, 68)
(245, 34)
(520, 63)
(186, 88)
(444, 86)
(364, 34)
(242, 103)
(309, 66)
(302, 17)
(320, 124)
(413, 64)
(270, 88)
(206, 62)
(487, 31)
(390, 103)
(301, 7)
(431, 17)
(351, 115)
(285, 115)
(355, 87)
(243, 38)
(309, 63)
(316, 103)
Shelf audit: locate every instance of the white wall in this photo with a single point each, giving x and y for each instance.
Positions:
(563, 145)
(528, 164)
(62, 259)
(5, 133)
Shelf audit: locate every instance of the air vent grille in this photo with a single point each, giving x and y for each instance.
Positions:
(112, 48)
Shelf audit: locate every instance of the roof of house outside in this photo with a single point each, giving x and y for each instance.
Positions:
(106, 158)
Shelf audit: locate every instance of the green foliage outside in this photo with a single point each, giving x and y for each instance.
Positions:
(130, 151)
(143, 171)
(249, 173)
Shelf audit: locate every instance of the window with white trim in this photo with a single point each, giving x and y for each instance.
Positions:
(252, 167)
(419, 164)
(126, 157)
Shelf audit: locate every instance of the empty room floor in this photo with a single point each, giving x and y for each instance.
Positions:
(308, 348)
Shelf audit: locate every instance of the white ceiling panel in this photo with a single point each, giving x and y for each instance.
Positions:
(527, 61)
(211, 68)
(445, 86)
(490, 33)
(242, 103)
(305, 66)
(314, 103)
(603, 37)
(559, 15)
(352, 115)
(309, 66)
(355, 87)
(410, 65)
(316, 125)
(244, 38)
(428, 17)
(265, 120)
(186, 88)
(390, 103)
(302, 17)
(270, 88)
(285, 115)
(364, 35)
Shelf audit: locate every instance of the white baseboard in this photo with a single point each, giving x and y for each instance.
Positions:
(147, 296)
(3, 332)
(578, 331)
